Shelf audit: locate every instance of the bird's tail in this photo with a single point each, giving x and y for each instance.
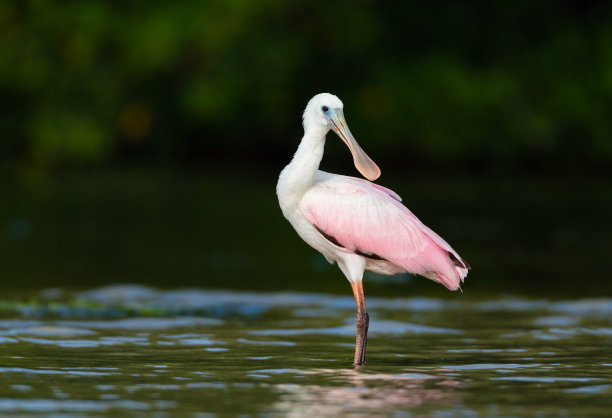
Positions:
(451, 269)
(454, 274)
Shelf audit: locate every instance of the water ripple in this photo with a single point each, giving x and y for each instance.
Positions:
(376, 328)
(546, 379)
(54, 405)
(485, 366)
(590, 389)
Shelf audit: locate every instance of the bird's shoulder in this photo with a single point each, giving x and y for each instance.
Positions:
(364, 216)
(354, 199)
(343, 186)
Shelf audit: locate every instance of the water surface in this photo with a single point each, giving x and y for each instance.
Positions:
(135, 350)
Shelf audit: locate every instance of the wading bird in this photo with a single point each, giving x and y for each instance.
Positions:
(355, 223)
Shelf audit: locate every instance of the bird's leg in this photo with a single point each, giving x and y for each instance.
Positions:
(362, 322)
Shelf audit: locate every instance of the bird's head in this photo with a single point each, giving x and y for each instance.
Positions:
(325, 111)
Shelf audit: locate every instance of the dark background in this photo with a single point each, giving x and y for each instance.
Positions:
(140, 141)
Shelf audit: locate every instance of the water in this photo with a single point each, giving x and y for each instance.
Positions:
(135, 350)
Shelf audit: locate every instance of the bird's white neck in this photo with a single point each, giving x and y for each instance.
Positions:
(300, 173)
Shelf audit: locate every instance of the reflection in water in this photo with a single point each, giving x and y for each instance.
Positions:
(357, 392)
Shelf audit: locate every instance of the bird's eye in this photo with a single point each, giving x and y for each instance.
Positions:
(325, 108)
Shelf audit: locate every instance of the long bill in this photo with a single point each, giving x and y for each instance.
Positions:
(363, 163)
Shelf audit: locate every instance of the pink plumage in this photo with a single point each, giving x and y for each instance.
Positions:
(368, 219)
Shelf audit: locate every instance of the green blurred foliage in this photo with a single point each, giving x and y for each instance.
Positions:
(499, 82)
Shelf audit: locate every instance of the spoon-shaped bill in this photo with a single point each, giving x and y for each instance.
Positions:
(363, 163)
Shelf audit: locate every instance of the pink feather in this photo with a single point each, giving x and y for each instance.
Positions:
(367, 218)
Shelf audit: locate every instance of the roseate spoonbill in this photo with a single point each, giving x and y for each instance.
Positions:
(355, 223)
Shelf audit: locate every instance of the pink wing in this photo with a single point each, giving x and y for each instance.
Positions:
(366, 218)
